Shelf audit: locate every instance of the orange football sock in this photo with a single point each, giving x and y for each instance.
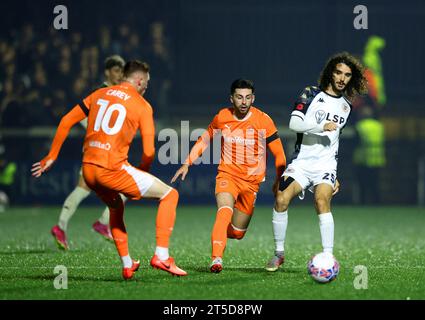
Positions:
(166, 217)
(119, 233)
(219, 232)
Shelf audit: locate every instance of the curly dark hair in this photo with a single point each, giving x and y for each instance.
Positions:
(358, 82)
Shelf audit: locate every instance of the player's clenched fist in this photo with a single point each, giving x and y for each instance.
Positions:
(336, 188)
(330, 126)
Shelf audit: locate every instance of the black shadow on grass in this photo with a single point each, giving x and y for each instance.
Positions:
(291, 270)
(247, 269)
(96, 278)
(30, 277)
(70, 278)
(35, 251)
(198, 269)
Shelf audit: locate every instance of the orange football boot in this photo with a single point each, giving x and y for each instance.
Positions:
(167, 265)
(128, 273)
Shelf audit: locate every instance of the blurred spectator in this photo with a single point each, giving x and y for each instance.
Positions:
(42, 74)
(38, 100)
(25, 48)
(159, 58)
(369, 155)
(374, 73)
(12, 113)
(105, 42)
(7, 178)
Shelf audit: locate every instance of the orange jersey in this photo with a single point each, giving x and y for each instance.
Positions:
(114, 115)
(243, 144)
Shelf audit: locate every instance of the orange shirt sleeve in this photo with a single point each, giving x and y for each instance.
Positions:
(275, 146)
(86, 103)
(276, 149)
(147, 131)
(203, 142)
(67, 122)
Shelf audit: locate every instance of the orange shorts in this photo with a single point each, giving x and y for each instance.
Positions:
(244, 193)
(130, 181)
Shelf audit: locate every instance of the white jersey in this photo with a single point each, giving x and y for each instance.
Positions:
(316, 149)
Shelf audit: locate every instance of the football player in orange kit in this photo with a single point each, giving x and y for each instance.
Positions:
(113, 69)
(246, 131)
(114, 116)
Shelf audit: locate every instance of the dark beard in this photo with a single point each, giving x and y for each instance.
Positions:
(336, 90)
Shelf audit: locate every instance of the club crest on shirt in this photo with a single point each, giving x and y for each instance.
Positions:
(345, 107)
(320, 116)
(224, 184)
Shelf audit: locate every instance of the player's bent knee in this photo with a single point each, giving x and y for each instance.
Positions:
(233, 233)
(282, 203)
(322, 204)
(115, 202)
(170, 194)
(280, 208)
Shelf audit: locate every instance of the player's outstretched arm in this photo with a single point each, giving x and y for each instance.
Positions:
(147, 132)
(184, 169)
(303, 125)
(67, 122)
(276, 149)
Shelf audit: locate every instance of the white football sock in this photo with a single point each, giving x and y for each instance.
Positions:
(104, 218)
(162, 253)
(70, 205)
(280, 222)
(126, 261)
(326, 223)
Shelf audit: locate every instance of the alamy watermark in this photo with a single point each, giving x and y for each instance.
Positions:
(361, 20)
(240, 146)
(61, 19)
(246, 146)
(361, 280)
(226, 146)
(61, 280)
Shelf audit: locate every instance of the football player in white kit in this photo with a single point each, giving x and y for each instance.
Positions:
(319, 115)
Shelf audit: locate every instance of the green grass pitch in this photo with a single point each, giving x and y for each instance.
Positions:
(388, 241)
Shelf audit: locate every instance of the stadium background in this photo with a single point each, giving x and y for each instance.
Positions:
(196, 49)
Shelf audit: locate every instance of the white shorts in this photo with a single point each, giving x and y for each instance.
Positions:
(307, 179)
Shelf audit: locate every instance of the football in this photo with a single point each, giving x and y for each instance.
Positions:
(323, 267)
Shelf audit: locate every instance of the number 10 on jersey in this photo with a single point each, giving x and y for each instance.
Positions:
(104, 117)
